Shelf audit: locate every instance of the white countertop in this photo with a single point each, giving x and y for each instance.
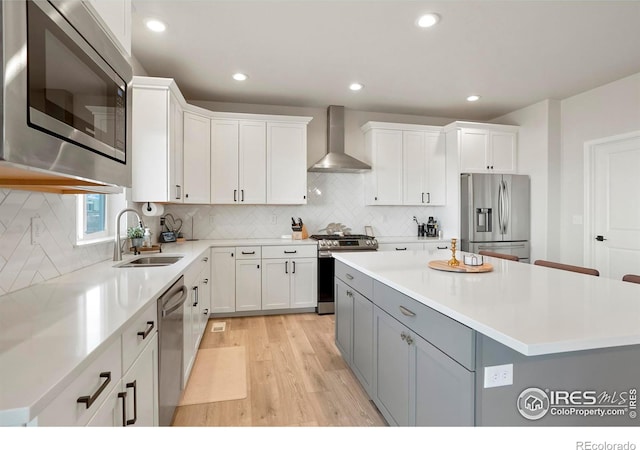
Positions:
(532, 309)
(48, 332)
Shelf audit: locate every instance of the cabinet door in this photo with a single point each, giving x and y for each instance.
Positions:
(386, 171)
(503, 152)
(414, 157)
(363, 340)
(304, 283)
(401, 247)
(286, 163)
(197, 158)
(110, 412)
(176, 151)
(436, 175)
(141, 385)
(444, 390)
(224, 161)
(474, 146)
(116, 15)
(276, 283)
(248, 285)
(223, 280)
(252, 172)
(391, 359)
(344, 319)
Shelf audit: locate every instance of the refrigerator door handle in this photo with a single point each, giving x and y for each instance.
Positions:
(505, 206)
(500, 212)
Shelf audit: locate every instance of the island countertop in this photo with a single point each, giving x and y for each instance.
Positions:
(532, 309)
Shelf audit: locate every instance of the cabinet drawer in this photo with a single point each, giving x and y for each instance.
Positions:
(65, 410)
(248, 252)
(290, 251)
(357, 280)
(448, 335)
(400, 247)
(138, 334)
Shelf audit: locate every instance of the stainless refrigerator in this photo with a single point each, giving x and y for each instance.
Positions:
(495, 213)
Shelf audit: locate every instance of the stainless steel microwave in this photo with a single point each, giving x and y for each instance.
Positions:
(66, 93)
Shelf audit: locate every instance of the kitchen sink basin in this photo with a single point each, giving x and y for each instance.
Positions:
(151, 261)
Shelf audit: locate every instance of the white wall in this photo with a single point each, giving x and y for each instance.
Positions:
(608, 110)
(538, 150)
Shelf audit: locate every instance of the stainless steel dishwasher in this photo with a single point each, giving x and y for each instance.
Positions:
(171, 336)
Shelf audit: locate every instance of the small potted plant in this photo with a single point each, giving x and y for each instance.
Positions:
(135, 234)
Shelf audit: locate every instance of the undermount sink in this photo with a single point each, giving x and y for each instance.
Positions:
(151, 261)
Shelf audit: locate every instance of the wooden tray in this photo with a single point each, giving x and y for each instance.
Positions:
(154, 248)
(442, 265)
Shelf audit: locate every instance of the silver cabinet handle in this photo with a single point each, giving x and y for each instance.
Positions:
(349, 277)
(407, 312)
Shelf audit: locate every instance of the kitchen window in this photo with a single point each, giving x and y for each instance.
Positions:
(96, 215)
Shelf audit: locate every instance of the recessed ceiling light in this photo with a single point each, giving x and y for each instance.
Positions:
(156, 25)
(239, 76)
(473, 98)
(356, 86)
(428, 20)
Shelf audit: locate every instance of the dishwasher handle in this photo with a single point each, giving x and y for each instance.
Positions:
(168, 310)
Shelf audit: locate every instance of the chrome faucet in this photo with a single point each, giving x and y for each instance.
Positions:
(117, 249)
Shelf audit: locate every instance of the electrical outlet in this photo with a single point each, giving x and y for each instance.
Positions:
(37, 229)
(495, 376)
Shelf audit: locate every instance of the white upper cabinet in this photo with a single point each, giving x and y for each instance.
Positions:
(424, 174)
(115, 18)
(197, 158)
(186, 154)
(157, 141)
(408, 164)
(385, 179)
(287, 162)
(486, 147)
(238, 162)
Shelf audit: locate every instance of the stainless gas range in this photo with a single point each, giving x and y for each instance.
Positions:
(327, 245)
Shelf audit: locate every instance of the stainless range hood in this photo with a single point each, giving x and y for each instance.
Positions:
(336, 160)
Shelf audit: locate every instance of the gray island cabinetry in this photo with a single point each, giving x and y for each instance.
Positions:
(519, 346)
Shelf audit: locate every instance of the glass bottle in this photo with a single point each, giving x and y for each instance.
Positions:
(146, 238)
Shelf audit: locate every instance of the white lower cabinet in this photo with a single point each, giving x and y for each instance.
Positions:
(289, 283)
(248, 285)
(102, 396)
(134, 400)
(223, 280)
(196, 310)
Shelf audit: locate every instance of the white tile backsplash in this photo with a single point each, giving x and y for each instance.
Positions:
(23, 264)
(332, 197)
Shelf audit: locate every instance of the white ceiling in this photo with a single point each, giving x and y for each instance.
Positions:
(307, 52)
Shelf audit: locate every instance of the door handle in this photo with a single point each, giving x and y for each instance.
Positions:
(89, 399)
(600, 238)
(135, 404)
(235, 195)
(428, 197)
(178, 191)
(286, 267)
(195, 292)
(423, 197)
(241, 195)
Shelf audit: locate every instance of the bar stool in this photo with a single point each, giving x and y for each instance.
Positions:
(570, 268)
(631, 278)
(499, 255)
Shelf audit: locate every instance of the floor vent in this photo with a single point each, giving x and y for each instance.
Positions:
(218, 327)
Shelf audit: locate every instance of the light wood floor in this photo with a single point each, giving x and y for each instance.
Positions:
(295, 376)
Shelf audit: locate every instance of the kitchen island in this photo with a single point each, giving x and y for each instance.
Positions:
(520, 345)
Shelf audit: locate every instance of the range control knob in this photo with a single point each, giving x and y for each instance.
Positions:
(334, 243)
(368, 242)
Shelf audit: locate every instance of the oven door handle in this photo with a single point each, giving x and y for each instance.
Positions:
(324, 254)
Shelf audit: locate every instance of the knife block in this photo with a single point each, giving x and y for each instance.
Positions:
(299, 235)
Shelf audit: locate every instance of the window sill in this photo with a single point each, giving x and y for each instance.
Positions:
(102, 240)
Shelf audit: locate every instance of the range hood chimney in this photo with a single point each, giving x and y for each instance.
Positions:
(336, 160)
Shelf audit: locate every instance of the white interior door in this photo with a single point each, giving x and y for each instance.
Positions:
(615, 213)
